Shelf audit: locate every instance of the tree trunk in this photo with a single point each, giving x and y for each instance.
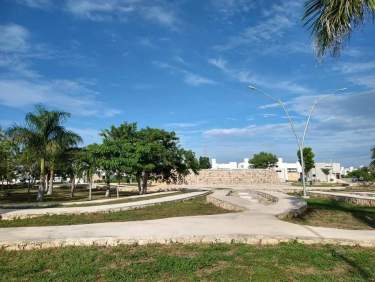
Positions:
(118, 185)
(144, 180)
(138, 177)
(72, 186)
(40, 195)
(50, 186)
(46, 182)
(90, 188)
(108, 191)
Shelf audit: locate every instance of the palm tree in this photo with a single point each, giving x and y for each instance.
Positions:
(43, 131)
(332, 21)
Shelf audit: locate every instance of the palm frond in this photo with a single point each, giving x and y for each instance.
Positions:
(332, 21)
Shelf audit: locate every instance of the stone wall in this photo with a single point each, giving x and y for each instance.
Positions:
(212, 177)
(345, 197)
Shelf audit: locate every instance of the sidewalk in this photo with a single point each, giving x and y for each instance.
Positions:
(257, 224)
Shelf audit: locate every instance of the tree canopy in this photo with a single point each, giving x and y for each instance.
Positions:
(44, 135)
(263, 160)
(308, 158)
(204, 162)
(148, 153)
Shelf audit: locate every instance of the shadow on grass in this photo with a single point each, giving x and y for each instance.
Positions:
(354, 265)
(364, 215)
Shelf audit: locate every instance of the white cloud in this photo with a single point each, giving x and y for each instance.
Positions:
(247, 77)
(182, 125)
(342, 127)
(97, 10)
(67, 95)
(367, 80)
(189, 77)
(197, 80)
(40, 4)
(13, 38)
(229, 8)
(277, 19)
(355, 67)
(159, 15)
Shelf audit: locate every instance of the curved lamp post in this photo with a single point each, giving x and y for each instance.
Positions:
(300, 140)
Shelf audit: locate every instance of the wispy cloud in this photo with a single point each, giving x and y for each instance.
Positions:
(342, 126)
(355, 67)
(247, 77)
(159, 15)
(182, 125)
(277, 19)
(21, 86)
(40, 4)
(68, 95)
(229, 8)
(366, 80)
(13, 38)
(122, 10)
(189, 77)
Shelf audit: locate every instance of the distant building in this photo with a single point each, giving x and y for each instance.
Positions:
(230, 165)
(334, 172)
(288, 171)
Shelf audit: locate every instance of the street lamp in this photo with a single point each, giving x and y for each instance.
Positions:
(300, 141)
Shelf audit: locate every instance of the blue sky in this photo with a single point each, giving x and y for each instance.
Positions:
(185, 66)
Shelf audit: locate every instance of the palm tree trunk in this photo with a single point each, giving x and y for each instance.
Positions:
(72, 186)
(90, 188)
(108, 190)
(50, 187)
(40, 195)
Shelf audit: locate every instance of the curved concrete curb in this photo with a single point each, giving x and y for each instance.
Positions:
(214, 239)
(30, 213)
(67, 204)
(255, 224)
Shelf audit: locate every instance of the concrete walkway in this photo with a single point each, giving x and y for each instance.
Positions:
(256, 224)
(9, 214)
(36, 205)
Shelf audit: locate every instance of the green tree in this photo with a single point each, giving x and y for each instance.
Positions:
(326, 171)
(308, 159)
(43, 130)
(372, 164)
(362, 173)
(148, 153)
(204, 162)
(263, 160)
(8, 154)
(89, 164)
(332, 21)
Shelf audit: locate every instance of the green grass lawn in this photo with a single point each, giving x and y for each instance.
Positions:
(198, 262)
(60, 194)
(196, 206)
(331, 213)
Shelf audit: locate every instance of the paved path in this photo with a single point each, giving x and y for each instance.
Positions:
(8, 214)
(73, 203)
(256, 224)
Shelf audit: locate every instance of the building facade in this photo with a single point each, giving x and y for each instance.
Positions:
(325, 172)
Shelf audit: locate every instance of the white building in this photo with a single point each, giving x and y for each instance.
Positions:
(244, 165)
(317, 173)
(230, 165)
(288, 171)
